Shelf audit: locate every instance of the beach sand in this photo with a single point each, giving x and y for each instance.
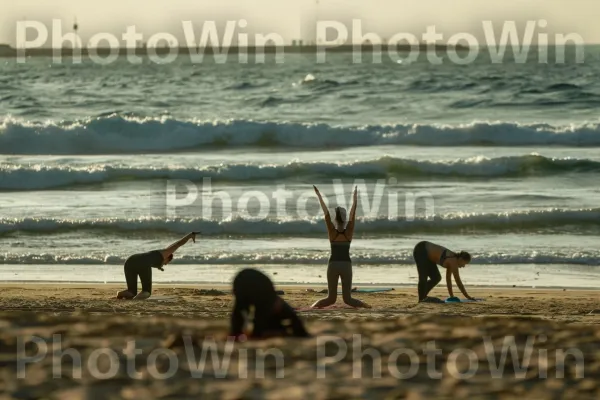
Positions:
(90, 319)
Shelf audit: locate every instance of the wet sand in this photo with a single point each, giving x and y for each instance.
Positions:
(396, 331)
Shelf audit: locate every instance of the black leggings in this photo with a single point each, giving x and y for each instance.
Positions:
(426, 269)
(132, 271)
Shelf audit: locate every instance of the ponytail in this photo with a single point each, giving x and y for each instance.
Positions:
(340, 215)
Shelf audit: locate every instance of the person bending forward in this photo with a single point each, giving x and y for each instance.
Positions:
(272, 315)
(428, 255)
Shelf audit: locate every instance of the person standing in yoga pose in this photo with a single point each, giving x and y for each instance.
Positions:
(340, 263)
(141, 265)
(252, 288)
(428, 255)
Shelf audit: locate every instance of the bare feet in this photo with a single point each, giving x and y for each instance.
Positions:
(323, 303)
(361, 304)
(125, 294)
(142, 296)
(315, 305)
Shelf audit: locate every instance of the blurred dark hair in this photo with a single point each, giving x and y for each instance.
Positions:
(463, 255)
(170, 258)
(251, 288)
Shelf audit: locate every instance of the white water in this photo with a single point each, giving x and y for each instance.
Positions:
(508, 157)
(518, 275)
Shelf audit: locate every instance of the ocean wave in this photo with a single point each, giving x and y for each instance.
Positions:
(40, 177)
(317, 258)
(120, 134)
(518, 221)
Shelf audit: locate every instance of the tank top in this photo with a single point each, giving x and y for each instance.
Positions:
(340, 251)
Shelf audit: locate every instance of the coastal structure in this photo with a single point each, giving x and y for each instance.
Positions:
(297, 47)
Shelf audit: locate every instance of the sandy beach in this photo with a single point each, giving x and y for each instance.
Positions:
(215, 302)
(469, 339)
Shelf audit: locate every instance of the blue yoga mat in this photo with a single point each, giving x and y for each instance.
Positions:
(374, 290)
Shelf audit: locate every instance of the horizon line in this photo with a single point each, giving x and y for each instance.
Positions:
(301, 44)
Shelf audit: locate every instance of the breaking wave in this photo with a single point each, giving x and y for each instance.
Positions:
(485, 222)
(39, 177)
(115, 134)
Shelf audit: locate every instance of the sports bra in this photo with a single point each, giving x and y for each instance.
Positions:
(340, 250)
(338, 233)
(443, 257)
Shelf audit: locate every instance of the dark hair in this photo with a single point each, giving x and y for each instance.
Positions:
(464, 256)
(251, 288)
(338, 216)
(170, 257)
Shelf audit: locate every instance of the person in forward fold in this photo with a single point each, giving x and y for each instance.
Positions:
(272, 315)
(428, 256)
(141, 265)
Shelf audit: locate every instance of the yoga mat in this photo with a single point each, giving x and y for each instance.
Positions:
(373, 290)
(356, 290)
(368, 290)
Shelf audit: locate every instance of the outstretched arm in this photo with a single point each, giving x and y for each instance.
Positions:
(352, 217)
(449, 282)
(172, 248)
(460, 284)
(325, 212)
(321, 202)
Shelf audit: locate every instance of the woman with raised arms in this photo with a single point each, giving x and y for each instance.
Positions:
(340, 264)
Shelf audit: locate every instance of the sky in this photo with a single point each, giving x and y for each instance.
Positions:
(294, 19)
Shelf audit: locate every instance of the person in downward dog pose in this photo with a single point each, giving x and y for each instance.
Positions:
(141, 265)
(340, 263)
(428, 255)
(252, 288)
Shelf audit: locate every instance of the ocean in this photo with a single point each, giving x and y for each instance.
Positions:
(102, 161)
